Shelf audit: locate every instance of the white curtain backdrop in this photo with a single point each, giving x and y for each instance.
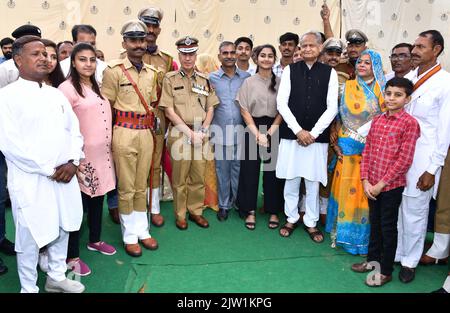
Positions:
(385, 22)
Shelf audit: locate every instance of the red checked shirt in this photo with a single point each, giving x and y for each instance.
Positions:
(389, 149)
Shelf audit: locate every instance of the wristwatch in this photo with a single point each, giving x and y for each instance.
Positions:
(74, 162)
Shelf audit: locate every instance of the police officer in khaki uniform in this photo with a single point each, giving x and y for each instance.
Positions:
(132, 135)
(356, 44)
(188, 102)
(163, 62)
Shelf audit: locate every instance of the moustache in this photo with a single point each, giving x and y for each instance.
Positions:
(415, 56)
(229, 60)
(334, 60)
(139, 49)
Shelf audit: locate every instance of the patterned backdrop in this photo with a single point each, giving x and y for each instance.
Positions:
(212, 21)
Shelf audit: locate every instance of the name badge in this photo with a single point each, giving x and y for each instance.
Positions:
(201, 90)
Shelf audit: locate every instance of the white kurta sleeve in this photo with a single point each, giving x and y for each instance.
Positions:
(443, 134)
(332, 106)
(284, 92)
(14, 147)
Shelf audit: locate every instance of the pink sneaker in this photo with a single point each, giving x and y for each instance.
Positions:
(102, 247)
(78, 267)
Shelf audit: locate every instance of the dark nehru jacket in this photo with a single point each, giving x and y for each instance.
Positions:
(308, 99)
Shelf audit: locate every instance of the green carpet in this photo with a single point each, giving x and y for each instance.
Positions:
(225, 258)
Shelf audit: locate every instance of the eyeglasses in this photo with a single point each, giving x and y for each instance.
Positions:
(400, 57)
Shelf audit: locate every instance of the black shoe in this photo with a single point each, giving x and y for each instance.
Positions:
(222, 215)
(407, 274)
(7, 247)
(3, 268)
(440, 290)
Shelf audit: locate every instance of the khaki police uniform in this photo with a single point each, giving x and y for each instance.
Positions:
(191, 98)
(163, 62)
(132, 148)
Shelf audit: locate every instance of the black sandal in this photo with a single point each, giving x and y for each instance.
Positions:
(313, 234)
(250, 225)
(274, 224)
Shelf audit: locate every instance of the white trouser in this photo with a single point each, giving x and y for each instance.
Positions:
(412, 228)
(323, 205)
(156, 208)
(134, 227)
(28, 256)
(441, 246)
(291, 196)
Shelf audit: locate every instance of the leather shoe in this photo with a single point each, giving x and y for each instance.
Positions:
(7, 247)
(378, 280)
(133, 250)
(428, 260)
(114, 214)
(150, 243)
(222, 215)
(363, 267)
(199, 220)
(407, 274)
(157, 220)
(3, 268)
(181, 224)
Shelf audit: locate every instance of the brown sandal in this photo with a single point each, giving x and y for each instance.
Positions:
(313, 234)
(288, 229)
(273, 224)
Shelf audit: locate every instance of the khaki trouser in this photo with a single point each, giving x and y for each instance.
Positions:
(159, 146)
(132, 153)
(442, 218)
(188, 175)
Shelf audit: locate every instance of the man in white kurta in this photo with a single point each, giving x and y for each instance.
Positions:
(430, 105)
(40, 138)
(303, 154)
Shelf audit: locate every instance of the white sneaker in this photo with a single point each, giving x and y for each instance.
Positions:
(65, 286)
(43, 261)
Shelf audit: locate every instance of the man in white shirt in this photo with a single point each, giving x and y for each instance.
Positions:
(401, 62)
(41, 140)
(308, 111)
(86, 34)
(430, 105)
(244, 48)
(8, 70)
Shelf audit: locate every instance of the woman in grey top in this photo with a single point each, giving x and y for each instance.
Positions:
(257, 99)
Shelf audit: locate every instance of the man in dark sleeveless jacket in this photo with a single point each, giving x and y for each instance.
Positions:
(307, 100)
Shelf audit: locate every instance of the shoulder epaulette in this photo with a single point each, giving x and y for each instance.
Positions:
(114, 63)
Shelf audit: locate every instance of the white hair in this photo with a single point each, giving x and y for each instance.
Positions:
(313, 33)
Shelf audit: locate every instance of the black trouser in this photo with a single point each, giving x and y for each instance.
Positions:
(247, 197)
(383, 215)
(94, 208)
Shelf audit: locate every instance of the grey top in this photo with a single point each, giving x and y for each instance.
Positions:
(256, 98)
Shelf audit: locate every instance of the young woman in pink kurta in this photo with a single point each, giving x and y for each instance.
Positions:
(96, 172)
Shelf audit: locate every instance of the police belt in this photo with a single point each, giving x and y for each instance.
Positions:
(134, 120)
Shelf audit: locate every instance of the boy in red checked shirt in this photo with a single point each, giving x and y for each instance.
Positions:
(386, 159)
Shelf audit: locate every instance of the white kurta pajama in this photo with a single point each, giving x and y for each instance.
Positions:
(296, 162)
(39, 132)
(430, 105)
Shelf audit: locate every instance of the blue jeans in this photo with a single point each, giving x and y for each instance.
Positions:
(227, 169)
(2, 196)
